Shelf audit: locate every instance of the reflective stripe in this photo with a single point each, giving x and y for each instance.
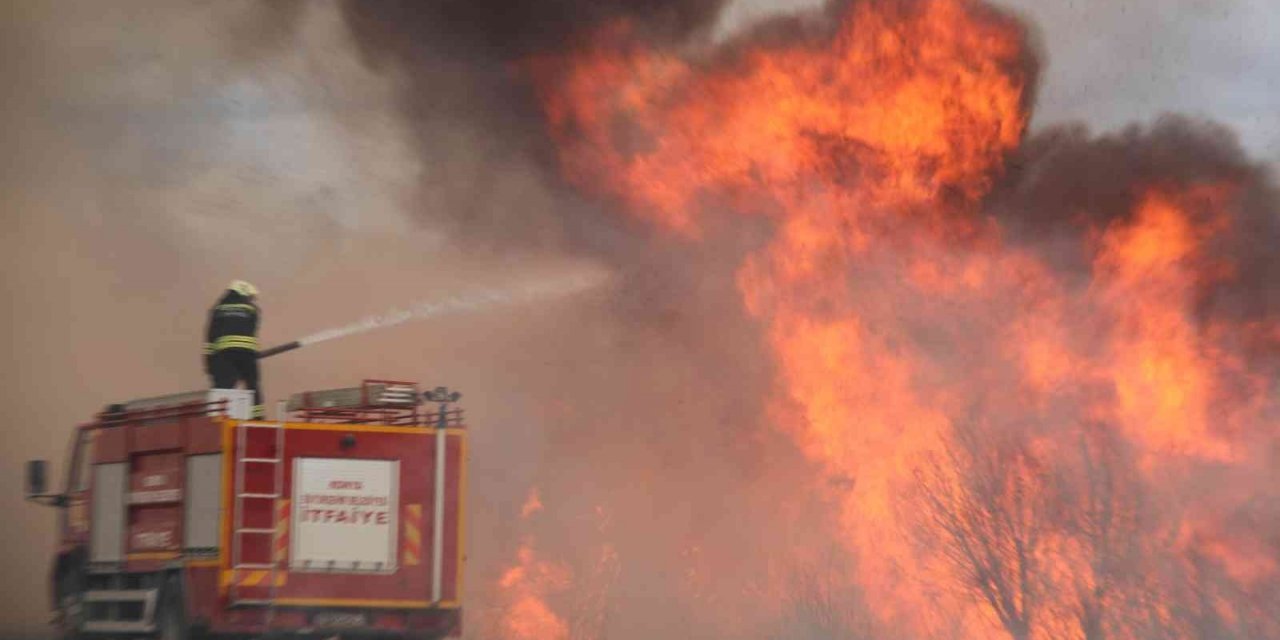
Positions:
(208, 348)
(235, 342)
(237, 307)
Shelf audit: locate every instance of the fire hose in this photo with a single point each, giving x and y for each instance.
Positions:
(278, 349)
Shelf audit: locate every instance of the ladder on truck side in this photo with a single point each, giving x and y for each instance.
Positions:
(271, 496)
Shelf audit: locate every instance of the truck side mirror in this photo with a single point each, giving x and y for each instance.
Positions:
(36, 478)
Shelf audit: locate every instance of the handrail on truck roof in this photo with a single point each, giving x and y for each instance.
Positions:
(116, 414)
(394, 403)
(384, 402)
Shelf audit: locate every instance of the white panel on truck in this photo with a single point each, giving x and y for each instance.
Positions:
(239, 402)
(204, 501)
(106, 542)
(344, 515)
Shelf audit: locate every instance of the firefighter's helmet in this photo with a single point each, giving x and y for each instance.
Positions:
(243, 288)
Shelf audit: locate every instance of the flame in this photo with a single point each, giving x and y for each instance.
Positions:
(532, 504)
(902, 321)
(547, 599)
(526, 586)
(1163, 371)
(922, 100)
(777, 120)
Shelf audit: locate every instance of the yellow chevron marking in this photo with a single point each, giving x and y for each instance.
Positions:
(412, 535)
(282, 531)
(253, 578)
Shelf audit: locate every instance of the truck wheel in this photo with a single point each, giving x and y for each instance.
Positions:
(70, 606)
(171, 619)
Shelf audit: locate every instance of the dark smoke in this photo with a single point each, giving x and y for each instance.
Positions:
(455, 60)
(530, 27)
(1067, 183)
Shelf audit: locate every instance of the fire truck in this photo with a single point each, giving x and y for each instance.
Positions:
(181, 517)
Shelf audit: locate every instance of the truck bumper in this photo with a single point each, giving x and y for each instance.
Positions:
(345, 623)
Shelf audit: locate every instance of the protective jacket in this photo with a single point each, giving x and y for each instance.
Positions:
(231, 346)
(233, 324)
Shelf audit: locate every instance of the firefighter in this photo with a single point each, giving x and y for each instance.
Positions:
(231, 342)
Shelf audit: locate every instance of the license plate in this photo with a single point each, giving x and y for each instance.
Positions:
(337, 619)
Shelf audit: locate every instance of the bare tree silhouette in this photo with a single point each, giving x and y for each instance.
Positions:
(986, 506)
(1104, 513)
(822, 602)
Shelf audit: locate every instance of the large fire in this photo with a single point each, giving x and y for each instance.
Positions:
(1022, 441)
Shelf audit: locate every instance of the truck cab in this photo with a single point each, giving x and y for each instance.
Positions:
(180, 516)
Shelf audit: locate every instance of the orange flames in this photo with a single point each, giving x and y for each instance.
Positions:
(783, 122)
(525, 587)
(923, 353)
(1163, 371)
(542, 599)
(526, 615)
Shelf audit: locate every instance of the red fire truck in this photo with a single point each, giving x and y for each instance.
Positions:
(181, 517)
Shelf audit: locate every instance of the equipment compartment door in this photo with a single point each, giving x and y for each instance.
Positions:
(345, 515)
(360, 495)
